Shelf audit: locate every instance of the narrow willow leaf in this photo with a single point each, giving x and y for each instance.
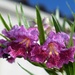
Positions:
(56, 24)
(71, 39)
(40, 26)
(73, 68)
(38, 64)
(4, 23)
(71, 10)
(9, 21)
(50, 22)
(34, 63)
(1, 45)
(18, 16)
(59, 24)
(69, 22)
(23, 16)
(25, 70)
(69, 68)
(72, 14)
(51, 71)
(57, 14)
(66, 68)
(5, 37)
(63, 25)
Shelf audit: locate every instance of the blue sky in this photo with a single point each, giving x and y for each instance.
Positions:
(51, 5)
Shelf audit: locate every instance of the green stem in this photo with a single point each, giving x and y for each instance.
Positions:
(25, 70)
(51, 71)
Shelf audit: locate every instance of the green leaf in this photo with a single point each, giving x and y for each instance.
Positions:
(50, 22)
(23, 16)
(4, 23)
(40, 26)
(73, 68)
(51, 71)
(42, 65)
(56, 24)
(71, 10)
(18, 16)
(25, 70)
(72, 14)
(9, 21)
(69, 22)
(71, 39)
(2, 45)
(66, 68)
(34, 63)
(63, 26)
(70, 68)
(5, 37)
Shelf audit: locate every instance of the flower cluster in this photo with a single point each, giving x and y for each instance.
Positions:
(40, 44)
(24, 43)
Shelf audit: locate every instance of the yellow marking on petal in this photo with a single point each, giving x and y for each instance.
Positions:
(52, 49)
(23, 41)
(50, 53)
(56, 52)
(26, 40)
(27, 43)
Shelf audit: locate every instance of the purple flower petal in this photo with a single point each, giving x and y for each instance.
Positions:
(3, 45)
(17, 50)
(60, 38)
(22, 35)
(58, 54)
(10, 60)
(53, 61)
(37, 54)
